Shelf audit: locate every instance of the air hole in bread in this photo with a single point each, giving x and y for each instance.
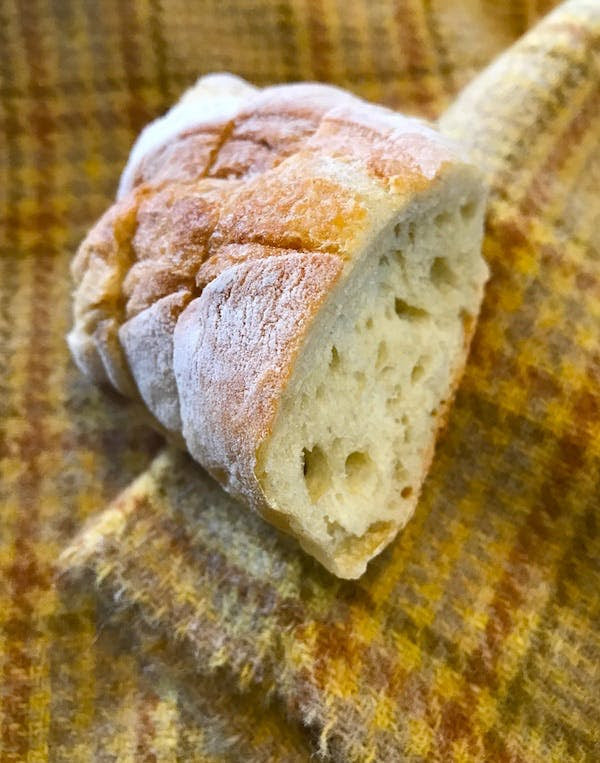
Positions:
(408, 312)
(382, 354)
(419, 369)
(444, 218)
(400, 473)
(383, 261)
(317, 472)
(417, 373)
(358, 469)
(361, 378)
(407, 436)
(442, 274)
(369, 323)
(335, 359)
(468, 210)
(393, 402)
(411, 231)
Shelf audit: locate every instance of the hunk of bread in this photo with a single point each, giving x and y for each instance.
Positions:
(289, 280)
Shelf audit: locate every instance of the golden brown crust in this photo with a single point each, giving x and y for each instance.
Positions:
(174, 225)
(229, 255)
(98, 269)
(229, 235)
(404, 160)
(295, 206)
(183, 160)
(274, 125)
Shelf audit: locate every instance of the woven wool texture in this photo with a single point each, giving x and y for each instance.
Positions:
(187, 629)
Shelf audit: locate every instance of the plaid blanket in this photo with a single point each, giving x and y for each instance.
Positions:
(187, 629)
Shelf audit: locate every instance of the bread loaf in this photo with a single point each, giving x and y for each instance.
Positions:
(289, 281)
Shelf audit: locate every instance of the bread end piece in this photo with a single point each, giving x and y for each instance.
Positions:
(289, 281)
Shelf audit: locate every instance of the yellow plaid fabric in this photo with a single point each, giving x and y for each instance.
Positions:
(197, 634)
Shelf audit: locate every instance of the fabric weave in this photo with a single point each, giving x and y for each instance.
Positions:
(192, 631)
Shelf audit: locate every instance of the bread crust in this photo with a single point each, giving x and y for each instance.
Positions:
(235, 347)
(233, 225)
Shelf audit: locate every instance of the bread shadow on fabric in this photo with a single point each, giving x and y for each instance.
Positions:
(112, 432)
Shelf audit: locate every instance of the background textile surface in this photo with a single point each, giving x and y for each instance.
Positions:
(187, 629)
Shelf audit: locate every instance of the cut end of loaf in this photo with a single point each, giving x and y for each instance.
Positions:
(356, 429)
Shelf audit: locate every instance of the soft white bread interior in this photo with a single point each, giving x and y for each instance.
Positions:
(355, 429)
(289, 282)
